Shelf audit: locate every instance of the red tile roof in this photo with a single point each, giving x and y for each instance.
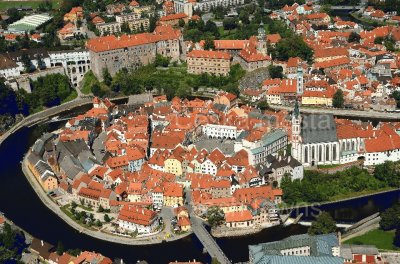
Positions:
(113, 42)
(210, 54)
(242, 216)
(173, 17)
(137, 215)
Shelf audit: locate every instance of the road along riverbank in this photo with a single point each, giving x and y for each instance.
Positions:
(50, 204)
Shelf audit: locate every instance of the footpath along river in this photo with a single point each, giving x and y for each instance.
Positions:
(20, 204)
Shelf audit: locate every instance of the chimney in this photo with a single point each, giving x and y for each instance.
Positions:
(41, 242)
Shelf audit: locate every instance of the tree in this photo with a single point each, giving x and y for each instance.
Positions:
(390, 218)
(209, 44)
(263, 105)
(378, 40)
(324, 224)
(26, 61)
(107, 218)
(60, 248)
(396, 96)
(215, 216)
(229, 23)
(388, 172)
(97, 91)
(98, 223)
(40, 62)
(45, 6)
(125, 28)
(338, 99)
(244, 17)
(326, 9)
(181, 23)
(162, 61)
(275, 71)
(101, 209)
(396, 240)
(354, 37)
(107, 79)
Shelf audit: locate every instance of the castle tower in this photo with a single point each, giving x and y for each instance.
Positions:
(262, 40)
(300, 81)
(296, 133)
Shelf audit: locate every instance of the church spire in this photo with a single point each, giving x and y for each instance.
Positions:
(296, 110)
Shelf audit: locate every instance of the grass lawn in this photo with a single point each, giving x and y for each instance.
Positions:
(381, 239)
(226, 34)
(86, 90)
(34, 4)
(71, 97)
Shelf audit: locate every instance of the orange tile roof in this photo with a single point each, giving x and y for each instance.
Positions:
(246, 195)
(113, 42)
(183, 221)
(316, 16)
(274, 38)
(209, 54)
(242, 216)
(173, 17)
(134, 3)
(137, 215)
(331, 52)
(225, 44)
(97, 20)
(332, 63)
(383, 143)
(173, 189)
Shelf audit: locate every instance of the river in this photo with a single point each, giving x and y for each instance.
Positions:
(21, 205)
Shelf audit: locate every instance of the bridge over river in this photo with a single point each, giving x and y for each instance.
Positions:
(203, 235)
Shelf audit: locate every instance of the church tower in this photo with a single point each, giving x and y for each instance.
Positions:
(296, 133)
(262, 40)
(300, 81)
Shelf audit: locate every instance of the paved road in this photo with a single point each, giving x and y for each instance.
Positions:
(96, 234)
(343, 112)
(44, 115)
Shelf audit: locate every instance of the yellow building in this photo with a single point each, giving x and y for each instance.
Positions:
(209, 61)
(74, 15)
(324, 98)
(173, 165)
(173, 194)
(42, 172)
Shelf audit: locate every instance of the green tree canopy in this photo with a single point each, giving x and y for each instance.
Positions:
(107, 79)
(215, 216)
(390, 218)
(275, 71)
(338, 99)
(60, 248)
(209, 44)
(396, 240)
(388, 172)
(354, 37)
(324, 224)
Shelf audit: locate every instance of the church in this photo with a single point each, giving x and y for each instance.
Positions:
(314, 139)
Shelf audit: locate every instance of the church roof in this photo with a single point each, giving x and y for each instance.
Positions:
(318, 129)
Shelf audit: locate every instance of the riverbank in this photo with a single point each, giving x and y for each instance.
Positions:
(370, 22)
(223, 232)
(383, 240)
(362, 194)
(51, 205)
